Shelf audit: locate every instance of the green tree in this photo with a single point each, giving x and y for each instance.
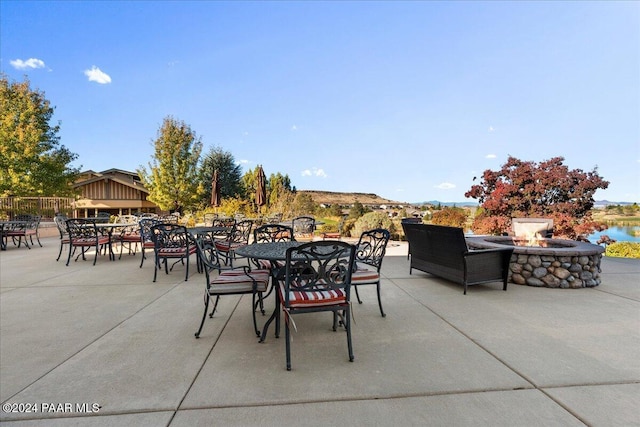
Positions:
(32, 161)
(229, 175)
(357, 210)
(303, 204)
(172, 179)
(278, 187)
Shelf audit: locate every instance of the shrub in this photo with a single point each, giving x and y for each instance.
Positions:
(623, 249)
(231, 206)
(453, 217)
(370, 221)
(347, 228)
(495, 225)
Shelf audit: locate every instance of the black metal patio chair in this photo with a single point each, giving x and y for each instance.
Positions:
(317, 278)
(370, 252)
(228, 281)
(171, 242)
(84, 234)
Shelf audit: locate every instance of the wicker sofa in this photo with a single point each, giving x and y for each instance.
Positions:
(443, 252)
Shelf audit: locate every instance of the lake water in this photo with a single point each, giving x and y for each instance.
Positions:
(620, 234)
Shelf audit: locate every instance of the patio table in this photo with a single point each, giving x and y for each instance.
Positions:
(274, 252)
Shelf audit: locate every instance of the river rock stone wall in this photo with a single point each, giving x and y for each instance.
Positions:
(555, 271)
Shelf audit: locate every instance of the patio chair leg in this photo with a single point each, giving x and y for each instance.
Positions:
(83, 250)
(380, 300)
(347, 325)
(255, 322)
(69, 256)
(259, 303)
(59, 253)
(357, 294)
(155, 269)
(215, 305)
(287, 334)
(204, 315)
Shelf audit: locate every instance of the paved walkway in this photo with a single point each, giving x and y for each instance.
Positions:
(75, 336)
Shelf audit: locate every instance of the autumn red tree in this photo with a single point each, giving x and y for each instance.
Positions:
(527, 189)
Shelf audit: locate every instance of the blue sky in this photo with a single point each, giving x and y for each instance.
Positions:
(408, 100)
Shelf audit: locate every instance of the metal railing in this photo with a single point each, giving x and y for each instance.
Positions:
(46, 207)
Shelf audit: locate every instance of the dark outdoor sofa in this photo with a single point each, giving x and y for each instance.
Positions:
(443, 252)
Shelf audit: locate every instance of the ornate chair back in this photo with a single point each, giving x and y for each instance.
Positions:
(171, 241)
(273, 233)
(303, 228)
(209, 218)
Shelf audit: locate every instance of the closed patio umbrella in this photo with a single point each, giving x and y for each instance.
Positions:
(261, 188)
(215, 190)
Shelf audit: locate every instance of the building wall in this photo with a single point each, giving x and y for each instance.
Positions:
(111, 190)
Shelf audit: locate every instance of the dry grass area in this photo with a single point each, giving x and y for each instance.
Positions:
(333, 198)
(610, 217)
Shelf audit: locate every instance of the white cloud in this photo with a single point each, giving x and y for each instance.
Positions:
(95, 74)
(242, 162)
(490, 156)
(294, 127)
(491, 129)
(445, 186)
(29, 63)
(314, 172)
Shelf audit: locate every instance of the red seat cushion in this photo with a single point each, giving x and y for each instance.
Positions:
(363, 276)
(173, 252)
(316, 298)
(225, 246)
(90, 241)
(237, 281)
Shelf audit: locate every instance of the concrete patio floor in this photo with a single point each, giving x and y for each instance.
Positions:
(106, 334)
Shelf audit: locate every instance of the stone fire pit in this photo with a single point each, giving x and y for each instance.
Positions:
(555, 263)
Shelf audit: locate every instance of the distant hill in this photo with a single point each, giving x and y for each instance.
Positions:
(457, 204)
(603, 203)
(335, 198)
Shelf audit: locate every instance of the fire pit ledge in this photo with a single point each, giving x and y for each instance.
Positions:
(558, 263)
